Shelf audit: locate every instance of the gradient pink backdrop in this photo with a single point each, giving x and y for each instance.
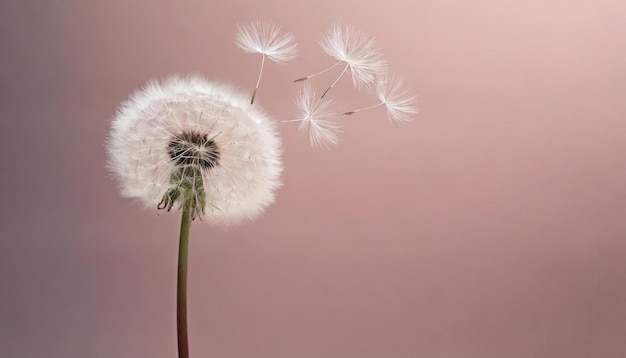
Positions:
(492, 226)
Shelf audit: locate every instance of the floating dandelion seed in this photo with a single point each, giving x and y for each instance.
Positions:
(315, 118)
(264, 37)
(356, 50)
(397, 99)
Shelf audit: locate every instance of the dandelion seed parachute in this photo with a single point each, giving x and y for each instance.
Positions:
(357, 50)
(207, 126)
(264, 37)
(316, 119)
(398, 100)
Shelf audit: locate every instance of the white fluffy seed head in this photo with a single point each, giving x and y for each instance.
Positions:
(242, 182)
(357, 49)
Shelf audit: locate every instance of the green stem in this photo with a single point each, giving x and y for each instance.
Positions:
(181, 296)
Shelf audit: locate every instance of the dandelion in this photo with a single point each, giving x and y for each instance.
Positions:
(315, 118)
(397, 99)
(356, 51)
(264, 37)
(196, 145)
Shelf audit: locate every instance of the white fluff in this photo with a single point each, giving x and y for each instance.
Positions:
(264, 37)
(398, 100)
(357, 50)
(315, 115)
(243, 183)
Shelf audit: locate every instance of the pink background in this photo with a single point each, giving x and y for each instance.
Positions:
(492, 226)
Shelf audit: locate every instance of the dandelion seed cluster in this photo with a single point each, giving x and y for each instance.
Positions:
(357, 53)
(194, 132)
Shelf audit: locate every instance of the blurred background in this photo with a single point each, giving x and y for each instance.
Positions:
(494, 225)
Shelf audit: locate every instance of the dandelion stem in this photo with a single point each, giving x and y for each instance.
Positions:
(258, 80)
(337, 80)
(364, 109)
(181, 295)
(315, 74)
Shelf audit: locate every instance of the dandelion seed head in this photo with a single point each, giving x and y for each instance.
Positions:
(357, 49)
(191, 125)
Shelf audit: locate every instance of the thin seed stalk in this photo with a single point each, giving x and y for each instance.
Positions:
(258, 81)
(337, 80)
(363, 109)
(318, 73)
